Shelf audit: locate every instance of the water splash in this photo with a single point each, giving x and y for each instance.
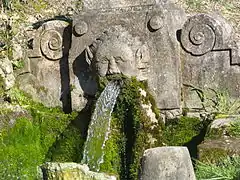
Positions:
(99, 127)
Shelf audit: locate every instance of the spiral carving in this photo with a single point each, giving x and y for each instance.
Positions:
(51, 44)
(200, 34)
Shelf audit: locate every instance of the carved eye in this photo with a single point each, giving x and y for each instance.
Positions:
(104, 60)
(118, 59)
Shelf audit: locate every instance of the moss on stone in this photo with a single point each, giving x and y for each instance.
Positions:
(114, 148)
(212, 155)
(68, 146)
(179, 132)
(232, 130)
(70, 171)
(134, 132)
(215, 133)
(24, 146)
(20, 151)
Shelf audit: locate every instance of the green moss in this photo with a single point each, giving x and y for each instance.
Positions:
(68, 146)
(25, 145)
(18, 64)
(220, 116)
(114, 147)
(39, 5)
(134, 130)
(180, 132)
(20, 151)
(31, 6)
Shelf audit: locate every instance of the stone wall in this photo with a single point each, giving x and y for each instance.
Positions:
(179, 54)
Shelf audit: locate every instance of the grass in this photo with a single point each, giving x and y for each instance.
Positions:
(230, 9)
(234, 129)
(216, 102)
(224, 104)
(227, 169)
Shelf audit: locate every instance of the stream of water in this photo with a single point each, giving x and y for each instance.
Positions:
(99, 127)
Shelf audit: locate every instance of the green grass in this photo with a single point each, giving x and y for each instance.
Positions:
(227, 169)
(234, 129)
(217, 102)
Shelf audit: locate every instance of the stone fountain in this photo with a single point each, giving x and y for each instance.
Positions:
(154, 41)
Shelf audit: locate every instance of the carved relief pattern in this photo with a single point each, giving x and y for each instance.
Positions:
(51, 44)
(48, 40)
(201, 34)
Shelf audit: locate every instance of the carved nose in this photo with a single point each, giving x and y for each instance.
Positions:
(113, 67)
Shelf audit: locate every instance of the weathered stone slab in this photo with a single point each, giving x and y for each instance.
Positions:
(168, 163)
(47, 76)
(213, 150)
(222, 127)
(207, 60)
(70, 171)
(6, 73)
(150, 38)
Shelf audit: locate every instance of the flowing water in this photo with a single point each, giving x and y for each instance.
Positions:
(99, 127)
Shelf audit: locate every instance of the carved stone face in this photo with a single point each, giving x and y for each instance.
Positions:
(118, 52)
(115, 57)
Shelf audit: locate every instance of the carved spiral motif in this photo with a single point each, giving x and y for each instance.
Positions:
(51, 44)
(198, 35)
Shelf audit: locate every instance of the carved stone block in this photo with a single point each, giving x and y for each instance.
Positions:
(131, 39)
(48, 63)
(210, 53)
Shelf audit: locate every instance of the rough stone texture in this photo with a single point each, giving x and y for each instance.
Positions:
(118, 52)
(107, 4)
(170, 114)
(46, 75)
(223, 122)
(213, 150)
(70, 171)
(17, 53)
(220, 127)
(207, 60)
(6, 73)
(150, 41)
(9, 113)
(137, 38)
(168, 163)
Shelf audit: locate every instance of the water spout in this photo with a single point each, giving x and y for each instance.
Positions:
(99, 127)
